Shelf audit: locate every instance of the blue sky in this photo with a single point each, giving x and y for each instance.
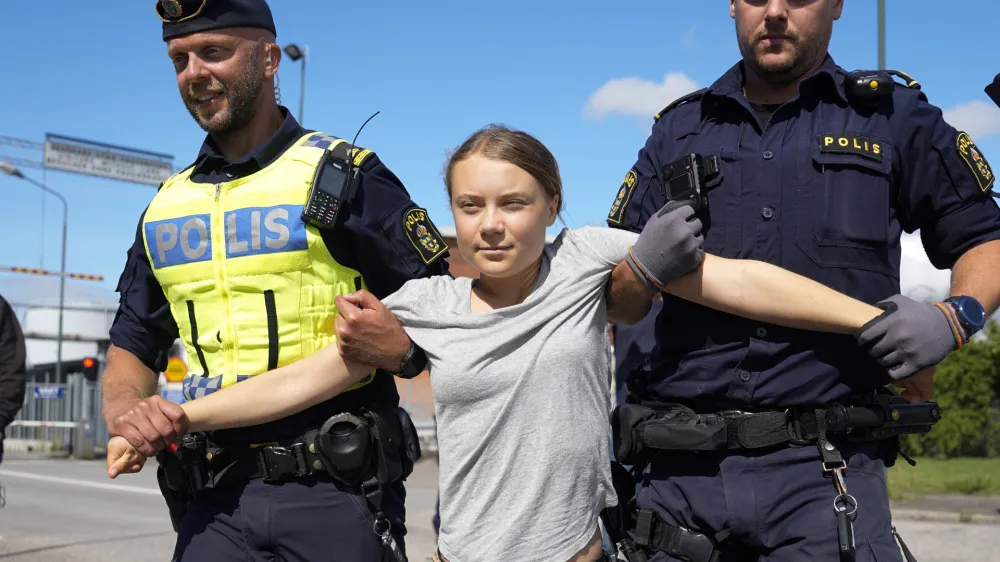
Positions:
(436, 70)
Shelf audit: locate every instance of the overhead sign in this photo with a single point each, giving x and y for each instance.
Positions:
(106, 161)
(49, 391)
(176, 369)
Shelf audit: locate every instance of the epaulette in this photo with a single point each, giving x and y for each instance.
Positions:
(338, 147)
(358, 153)
(680, 101)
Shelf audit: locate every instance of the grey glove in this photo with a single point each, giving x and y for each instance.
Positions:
(669, 246)
(908, 336)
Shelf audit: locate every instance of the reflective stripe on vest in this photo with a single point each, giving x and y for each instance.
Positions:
(250, 285)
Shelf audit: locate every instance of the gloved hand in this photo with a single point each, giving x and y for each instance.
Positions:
(668, 247)
(909, 336)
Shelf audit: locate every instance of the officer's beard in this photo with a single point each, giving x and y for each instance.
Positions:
(241, 99)
(803, 58)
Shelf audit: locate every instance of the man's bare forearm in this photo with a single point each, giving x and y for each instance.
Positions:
(628, 298)
(975, 275)
(126, 380)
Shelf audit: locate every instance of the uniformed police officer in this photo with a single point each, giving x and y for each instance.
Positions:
(227, 259)
(13, 379)
(819, 172)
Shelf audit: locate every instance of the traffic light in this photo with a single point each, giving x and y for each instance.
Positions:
(89, 368)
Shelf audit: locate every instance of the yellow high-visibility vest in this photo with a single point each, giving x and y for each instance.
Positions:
(250, 285)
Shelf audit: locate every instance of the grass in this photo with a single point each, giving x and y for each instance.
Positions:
(971, 476)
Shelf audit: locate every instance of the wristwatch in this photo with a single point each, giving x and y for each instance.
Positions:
(969, 312)
(413, 362)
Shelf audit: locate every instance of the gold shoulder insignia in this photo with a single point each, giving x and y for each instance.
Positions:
(358, 154)
(338, 147)
(424, 236)
(679, 102)
(975, 160)
(623, 197)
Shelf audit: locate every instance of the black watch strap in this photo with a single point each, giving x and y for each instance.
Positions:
(413, 362)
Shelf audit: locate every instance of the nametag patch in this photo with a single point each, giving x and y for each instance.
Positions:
(254, 231)
(249, 231)
(180, 240)
(849, 143)
(975, 160)
(423, 235)
(623, 197)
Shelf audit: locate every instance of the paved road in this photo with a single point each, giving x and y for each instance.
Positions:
(69, 511)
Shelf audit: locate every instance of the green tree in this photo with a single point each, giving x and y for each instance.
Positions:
(967, 386)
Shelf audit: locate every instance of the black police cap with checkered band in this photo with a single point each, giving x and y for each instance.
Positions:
(183, 17)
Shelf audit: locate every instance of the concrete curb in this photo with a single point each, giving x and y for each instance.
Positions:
(946, 516)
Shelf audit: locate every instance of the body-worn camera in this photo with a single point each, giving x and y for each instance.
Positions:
(333, 187)
(683, 182)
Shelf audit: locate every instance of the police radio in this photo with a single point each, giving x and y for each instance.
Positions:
(334, 185)
(870, 87)
(682, 182)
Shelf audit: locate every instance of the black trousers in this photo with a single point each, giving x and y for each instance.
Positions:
(314, 518)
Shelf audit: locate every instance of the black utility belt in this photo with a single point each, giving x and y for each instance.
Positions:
(641, 429)
(351, 447)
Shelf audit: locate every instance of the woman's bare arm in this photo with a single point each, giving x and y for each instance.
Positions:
(276, 394)
(767, 293)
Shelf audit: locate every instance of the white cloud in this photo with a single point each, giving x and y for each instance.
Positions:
(635, 97)
(919, 279)
(976, 117)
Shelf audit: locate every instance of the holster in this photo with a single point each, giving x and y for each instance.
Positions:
(675, 427)
(173, 485)
(375, 444)
(637, 534)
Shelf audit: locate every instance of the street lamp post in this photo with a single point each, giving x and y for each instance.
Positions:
(881, 34)
(12, 171)
(295, 53)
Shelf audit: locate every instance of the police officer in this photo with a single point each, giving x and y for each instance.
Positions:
(819, 172)
(244, 256)
(13, 378)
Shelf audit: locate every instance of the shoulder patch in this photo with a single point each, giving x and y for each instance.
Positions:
(697, 94)
(424, 236)
(623, 197)
(975, 160)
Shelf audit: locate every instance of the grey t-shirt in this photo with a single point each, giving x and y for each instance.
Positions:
(522, 398)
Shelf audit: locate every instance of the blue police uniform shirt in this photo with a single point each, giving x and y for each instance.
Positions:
(633, 347)
(371, 240)
(824, 189)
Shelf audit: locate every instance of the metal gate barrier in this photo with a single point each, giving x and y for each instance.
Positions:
(59, 418)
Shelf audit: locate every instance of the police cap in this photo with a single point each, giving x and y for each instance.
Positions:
(181, 17)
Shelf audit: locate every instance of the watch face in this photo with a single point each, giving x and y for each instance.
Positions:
(972, 312)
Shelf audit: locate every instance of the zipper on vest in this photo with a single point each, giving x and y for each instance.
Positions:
(229, 343)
